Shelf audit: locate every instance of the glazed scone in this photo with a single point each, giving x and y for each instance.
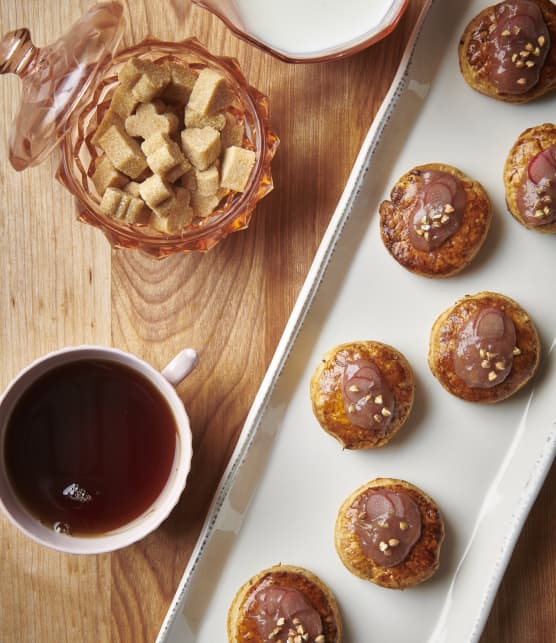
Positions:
(284, 603)
(362, 393)
(389, 532)
(508, 50)
(436, 220)
(530, 178)
(484, 348)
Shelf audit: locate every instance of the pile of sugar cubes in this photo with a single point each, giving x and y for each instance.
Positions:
(171, 149)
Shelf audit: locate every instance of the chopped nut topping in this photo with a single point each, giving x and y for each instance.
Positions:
(449, 208)
(506, 32)
(378, 399)
(541, 40)
(492, 376)
(500, 366)
(403, 525)
(521, 81)
(524, 54)
(530, 63)
(520, 64)
(393, 542)
(529, 46)
(385, 412)
(280, 622)
(354, 388)
(383, 546)
(485, 364)
(516, 29)
(351, 408)
(516, 351)
(320, 639)
(376, 417)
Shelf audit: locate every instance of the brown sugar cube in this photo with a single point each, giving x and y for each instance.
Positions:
(207, 181)
(182, 79)
(151, 144)
(168, 161)
(136, 211)
(120, 205)
(204, 205)
(193, 118)
(171, 224)
(107, 176)
(123, 151)
(173, 214)
(201, 146)
(149, 120)
(155, 191)
(233, 132)
(123, 102)
(146, 80)
(132, 187)
(236, 168)
(189, 181)
(110, 118)
(210, 93)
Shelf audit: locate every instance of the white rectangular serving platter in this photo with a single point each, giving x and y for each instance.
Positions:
(483, 464)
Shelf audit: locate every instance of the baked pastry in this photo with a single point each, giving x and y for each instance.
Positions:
(362, 393)
(284, 603)
(484, 348)
(436, 221)
(389, 532)
(530, 178)
(508, 50)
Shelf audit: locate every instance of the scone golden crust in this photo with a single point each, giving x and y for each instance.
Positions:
(484, 348)
(508, 50)
(399, 520)
(530, 178)
(428, 201)
(362, 393)
(282, 603)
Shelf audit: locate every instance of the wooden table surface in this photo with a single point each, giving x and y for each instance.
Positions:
(62, 284)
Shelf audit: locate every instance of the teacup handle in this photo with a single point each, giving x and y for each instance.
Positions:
(180, 366)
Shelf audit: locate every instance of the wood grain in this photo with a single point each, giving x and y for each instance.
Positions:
(62, 285)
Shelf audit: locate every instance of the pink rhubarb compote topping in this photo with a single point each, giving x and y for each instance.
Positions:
(368, 400)
(537, 192)
(486, 348)
(438, 212)
(281, 610)
(388, 525)
(519, 43)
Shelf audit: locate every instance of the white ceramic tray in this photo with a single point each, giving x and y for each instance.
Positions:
(484, 465)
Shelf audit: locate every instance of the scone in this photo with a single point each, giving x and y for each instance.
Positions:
(530, 178)
(284, 603)
(389, 532)
(362, 393)
(484, 348)
(436, 220)
(508, 51)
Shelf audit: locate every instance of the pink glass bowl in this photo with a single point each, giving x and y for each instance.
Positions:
(237, 17)
(234, 213)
